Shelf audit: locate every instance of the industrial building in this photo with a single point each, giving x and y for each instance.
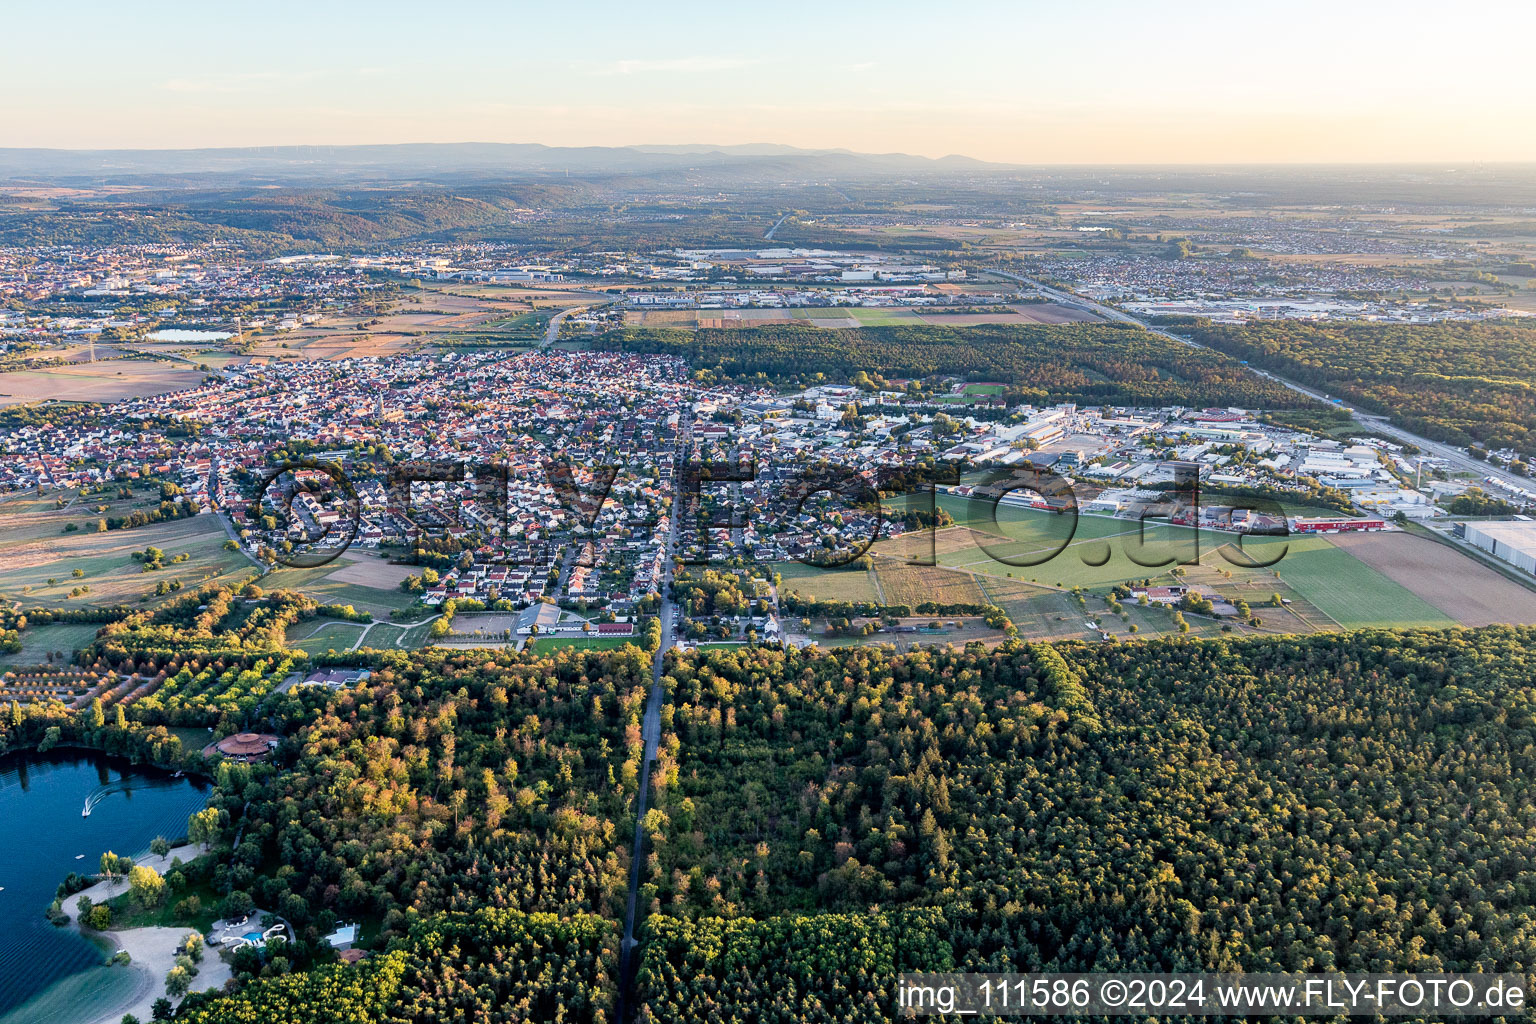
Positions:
(1513, 542)
(1335, 524)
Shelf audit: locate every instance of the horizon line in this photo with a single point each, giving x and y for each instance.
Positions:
(790, 150)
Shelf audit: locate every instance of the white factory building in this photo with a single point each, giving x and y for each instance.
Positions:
(1513, 541)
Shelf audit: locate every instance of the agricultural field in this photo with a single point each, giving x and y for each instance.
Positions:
(1393, 583)
(38, 562)
(849, 584)
(740, 317)
(103, 381)
(199, 692)
(1456, 584)
(367, 583)
(447, 315)
(1028, 313)
(900, 583)
(71, 684)
(881, 316)
(372, 572)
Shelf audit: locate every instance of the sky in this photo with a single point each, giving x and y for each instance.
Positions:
(1019, 82)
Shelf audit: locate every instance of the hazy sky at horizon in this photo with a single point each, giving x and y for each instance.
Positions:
(1031, 83)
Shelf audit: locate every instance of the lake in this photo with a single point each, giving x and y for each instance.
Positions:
(41, 797)
(178, 334)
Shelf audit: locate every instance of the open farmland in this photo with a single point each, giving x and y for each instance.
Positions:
(376, 573)
(104, 381)
(39, 570)
(1328, 586)
(431, 315)
(366, 582)
(1456, 584)
(912, 585)
(1025, 313)
(1351, 592)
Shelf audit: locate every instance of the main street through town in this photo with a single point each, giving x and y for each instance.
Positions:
(650, 731)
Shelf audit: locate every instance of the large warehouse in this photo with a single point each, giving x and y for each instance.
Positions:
(1514, 542)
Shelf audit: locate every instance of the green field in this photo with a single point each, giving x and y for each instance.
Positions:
(320, 635)
(34, 550)
(879, 317)
(397, 637)
(827, 584)
(38, 641)
(547, 644)
(317, 583)
(522, 321)
(1056, 550)
(519, 330)
(1350, 592)
(317, 637)
(1329, 587)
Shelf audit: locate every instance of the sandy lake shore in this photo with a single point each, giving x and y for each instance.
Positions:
(153, 950)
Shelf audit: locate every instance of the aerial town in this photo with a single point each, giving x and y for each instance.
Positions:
(804, 513)
(539, 479)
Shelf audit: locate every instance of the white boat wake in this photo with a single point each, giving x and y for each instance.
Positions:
(127, 785)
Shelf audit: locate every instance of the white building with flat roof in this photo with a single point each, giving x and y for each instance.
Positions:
(1514, 542)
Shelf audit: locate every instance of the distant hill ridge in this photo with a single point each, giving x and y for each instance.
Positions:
(407, 161)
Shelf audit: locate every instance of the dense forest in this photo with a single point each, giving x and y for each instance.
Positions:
(543, 213)
(491, 967)
(1086, 363)
(1358, 801)
(1456, 382)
